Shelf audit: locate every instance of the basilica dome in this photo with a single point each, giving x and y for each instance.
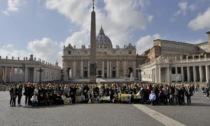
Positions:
(102, 41)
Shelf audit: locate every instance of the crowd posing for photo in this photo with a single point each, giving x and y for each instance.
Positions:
(58, 94)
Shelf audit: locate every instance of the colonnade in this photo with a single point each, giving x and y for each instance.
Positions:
(27, 74)
(179, 73)
(105, 69)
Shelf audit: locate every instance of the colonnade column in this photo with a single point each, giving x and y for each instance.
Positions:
(201, 73)
(34, 78)
(102, 75)
(194, 73)
(207, 73)
(5, 74)
(81, 69)
(188, 73)
(26, 75)
(11, 74)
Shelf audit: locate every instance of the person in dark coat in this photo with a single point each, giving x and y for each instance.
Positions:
(20, 89)
(26, 93)
(13, 94)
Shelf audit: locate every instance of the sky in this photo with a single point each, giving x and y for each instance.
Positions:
(43, 27)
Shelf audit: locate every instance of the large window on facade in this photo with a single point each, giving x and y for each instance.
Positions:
(173, 70)
(179, 70)
(69, 52)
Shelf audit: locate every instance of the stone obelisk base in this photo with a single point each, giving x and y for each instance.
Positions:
(93, 73)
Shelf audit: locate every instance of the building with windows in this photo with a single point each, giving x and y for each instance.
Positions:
(112, 64)
(170, 61)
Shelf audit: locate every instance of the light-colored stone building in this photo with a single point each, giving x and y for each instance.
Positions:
(114, 64)
(170, 61)
(28, 70)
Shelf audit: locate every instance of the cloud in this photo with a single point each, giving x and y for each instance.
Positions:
(77, 39)
(13, 5)
(46, 49)
(146, 42)
(201, 21)
(118, 22)
(184, 7)
(9, 51)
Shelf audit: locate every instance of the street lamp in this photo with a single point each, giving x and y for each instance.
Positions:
(40, 70)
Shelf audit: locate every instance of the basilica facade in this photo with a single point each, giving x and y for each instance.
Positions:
(111, 63)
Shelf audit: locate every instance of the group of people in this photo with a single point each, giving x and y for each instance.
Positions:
(206, 90)
(54, 94)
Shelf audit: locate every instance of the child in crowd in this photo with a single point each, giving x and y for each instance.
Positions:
(34, 99)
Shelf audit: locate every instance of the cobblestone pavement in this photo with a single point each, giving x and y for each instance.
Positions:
(73, 115)
(101, 114)
(197, 114)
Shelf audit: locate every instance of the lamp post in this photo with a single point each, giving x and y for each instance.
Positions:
(40, 70)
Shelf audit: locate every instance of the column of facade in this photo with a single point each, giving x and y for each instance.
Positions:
(117, 69)
(169, 74)
(110, 70)
(156, 74)
(107, 69)
(201, 73)
(124, 69)
(43, 74)
(182, 73)
(194, 73)
(159, 72)
(102, 69)
(50, 75)
(188, 73)
(46, 75)
(81, 69)
(88, 69)
(207, 73)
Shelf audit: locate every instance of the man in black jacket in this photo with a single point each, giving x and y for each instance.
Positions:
(20, 89)
(13, 94)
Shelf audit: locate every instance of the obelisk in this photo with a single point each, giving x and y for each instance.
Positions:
(93, 47)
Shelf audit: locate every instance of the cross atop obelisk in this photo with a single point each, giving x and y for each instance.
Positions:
(93, 5)
(93, 47)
